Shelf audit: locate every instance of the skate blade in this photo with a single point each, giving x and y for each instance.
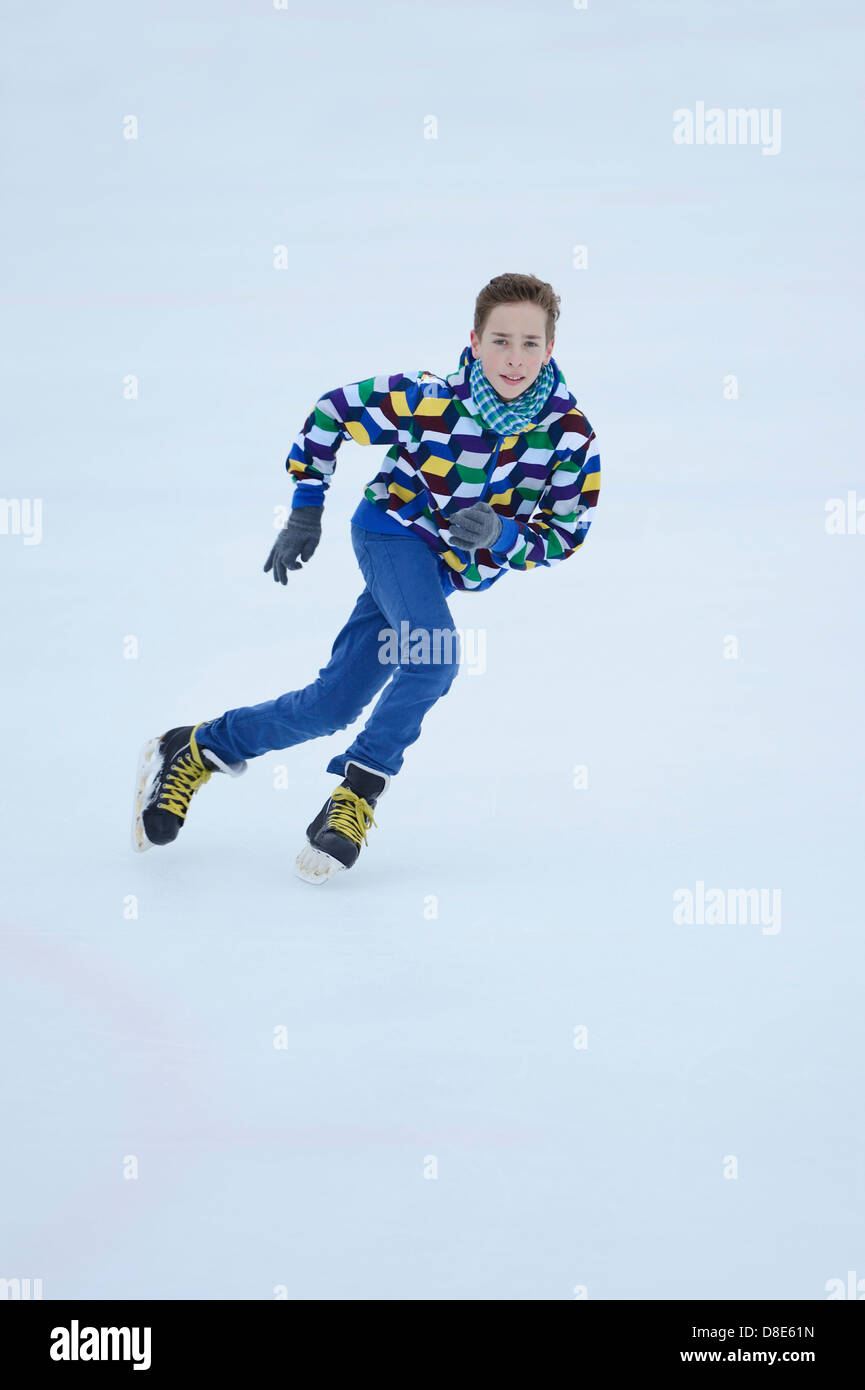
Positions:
(314, 866)
(149, 763)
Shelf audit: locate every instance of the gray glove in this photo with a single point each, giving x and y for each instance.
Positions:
(476, 527)
(298, 537)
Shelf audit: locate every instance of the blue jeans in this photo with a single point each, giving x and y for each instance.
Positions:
(406, 583)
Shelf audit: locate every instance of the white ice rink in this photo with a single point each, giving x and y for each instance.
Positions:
(429, 1130)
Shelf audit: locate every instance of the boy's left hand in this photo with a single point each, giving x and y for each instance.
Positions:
(476, 527)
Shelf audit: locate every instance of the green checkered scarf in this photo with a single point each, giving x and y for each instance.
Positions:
(510, 417)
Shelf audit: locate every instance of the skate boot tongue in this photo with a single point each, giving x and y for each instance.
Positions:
(365, 781)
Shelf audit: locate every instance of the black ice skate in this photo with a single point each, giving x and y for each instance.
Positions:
(335, 836)
(170, 770)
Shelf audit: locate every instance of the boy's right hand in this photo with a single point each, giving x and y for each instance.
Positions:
(298, 538)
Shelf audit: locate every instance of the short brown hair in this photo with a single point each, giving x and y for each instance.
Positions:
(512, 289)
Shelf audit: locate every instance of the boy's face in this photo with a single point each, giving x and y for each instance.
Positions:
(513, 347)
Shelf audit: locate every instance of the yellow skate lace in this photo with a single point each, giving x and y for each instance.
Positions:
(351, 816)
(184, 779)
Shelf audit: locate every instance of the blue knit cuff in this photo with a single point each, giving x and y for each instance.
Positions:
(308, 495)
(510, 531)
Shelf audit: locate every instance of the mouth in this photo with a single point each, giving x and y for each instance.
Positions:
(514, 380)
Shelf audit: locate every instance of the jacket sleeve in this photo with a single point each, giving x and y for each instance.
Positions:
(564, 513)
(375, 411)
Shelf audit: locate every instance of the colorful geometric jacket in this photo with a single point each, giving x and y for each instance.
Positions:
(543, 481)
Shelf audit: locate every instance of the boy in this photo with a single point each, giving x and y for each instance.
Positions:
(490, 469)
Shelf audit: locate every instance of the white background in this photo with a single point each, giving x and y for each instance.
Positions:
(412, 1037)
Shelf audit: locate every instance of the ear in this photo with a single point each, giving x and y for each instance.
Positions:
(476, 343)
